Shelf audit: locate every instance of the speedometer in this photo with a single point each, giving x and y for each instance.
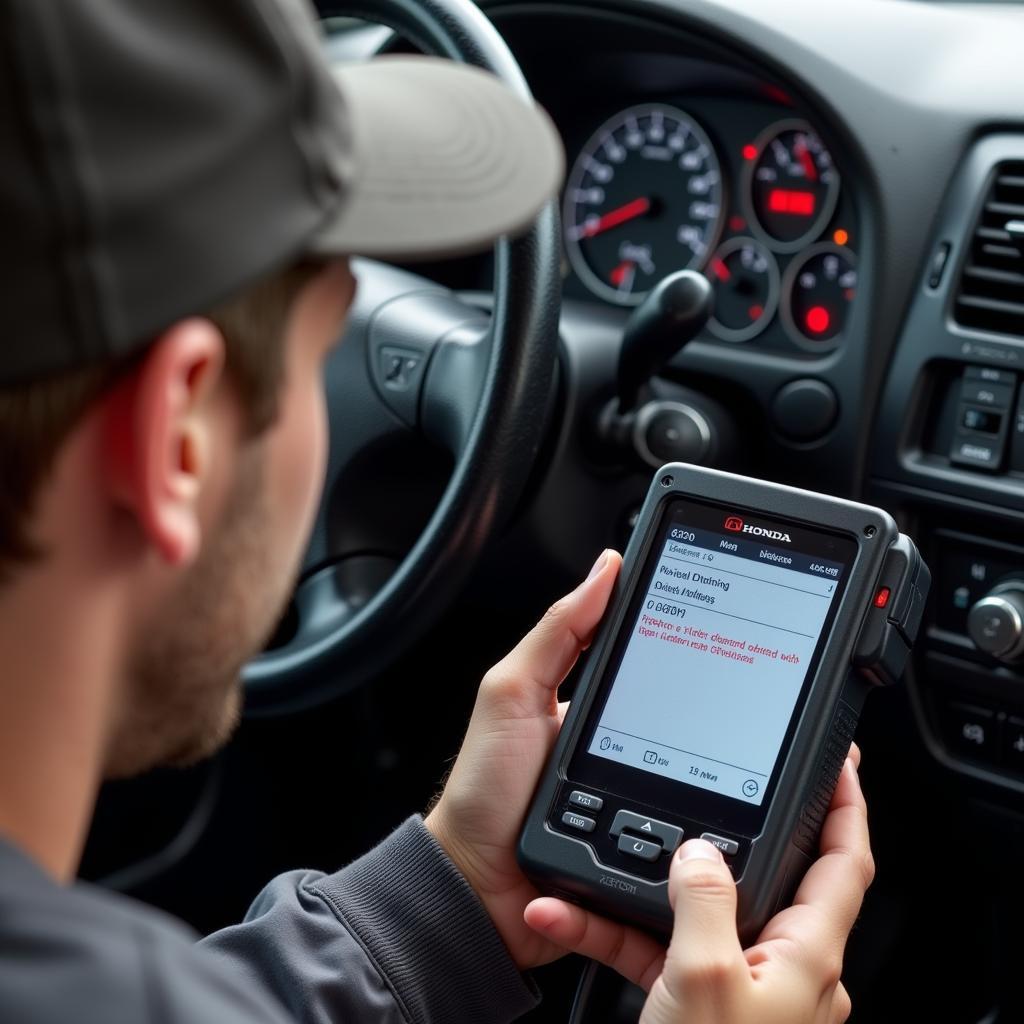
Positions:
(644, 199)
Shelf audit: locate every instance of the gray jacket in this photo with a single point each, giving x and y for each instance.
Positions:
(397, 936)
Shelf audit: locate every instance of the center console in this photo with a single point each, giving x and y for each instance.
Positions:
(949, 459)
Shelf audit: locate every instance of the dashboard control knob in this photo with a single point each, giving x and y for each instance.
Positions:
(805, 410)
(666, 431)
(996, 622)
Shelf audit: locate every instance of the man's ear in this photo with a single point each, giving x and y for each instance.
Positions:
(160, 429)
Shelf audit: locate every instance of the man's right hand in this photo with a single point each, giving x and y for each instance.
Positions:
(792, 974)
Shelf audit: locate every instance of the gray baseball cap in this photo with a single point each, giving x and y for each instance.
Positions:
(158, 155)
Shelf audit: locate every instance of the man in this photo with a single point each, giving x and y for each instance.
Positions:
(180, 185)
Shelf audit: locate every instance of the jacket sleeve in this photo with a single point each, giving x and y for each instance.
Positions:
(397, 937)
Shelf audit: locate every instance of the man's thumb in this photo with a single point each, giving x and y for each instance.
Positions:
(544, 656)
(703, 897)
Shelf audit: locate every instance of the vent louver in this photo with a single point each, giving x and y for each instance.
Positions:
(990, 293)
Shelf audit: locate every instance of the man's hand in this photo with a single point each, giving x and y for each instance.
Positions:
(791, 976)
(511, 733)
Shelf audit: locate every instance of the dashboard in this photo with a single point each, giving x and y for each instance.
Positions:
(846, 176)
(685, 152)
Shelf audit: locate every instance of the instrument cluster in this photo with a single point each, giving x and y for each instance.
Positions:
(744, 192)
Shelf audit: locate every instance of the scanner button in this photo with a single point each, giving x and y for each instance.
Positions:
(585, 800)
(668, 835)
(729, 847)
(578, 822)
(641, 848)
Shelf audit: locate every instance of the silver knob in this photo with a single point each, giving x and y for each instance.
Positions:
(996, 622)
(667, 431)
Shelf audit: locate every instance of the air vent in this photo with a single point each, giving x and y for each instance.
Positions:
(991, 291)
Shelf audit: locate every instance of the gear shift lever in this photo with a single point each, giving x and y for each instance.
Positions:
(671, 316)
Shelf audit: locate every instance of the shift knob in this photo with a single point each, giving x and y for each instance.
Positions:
(671, 315)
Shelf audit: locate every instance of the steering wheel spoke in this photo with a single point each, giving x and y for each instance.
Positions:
(428, 353)
(454, 384)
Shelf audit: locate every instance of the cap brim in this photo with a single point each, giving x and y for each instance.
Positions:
(445, 160)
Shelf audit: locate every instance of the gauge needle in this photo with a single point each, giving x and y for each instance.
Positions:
(807, 160)
(622, 276)
(612, 219)
(720, 269)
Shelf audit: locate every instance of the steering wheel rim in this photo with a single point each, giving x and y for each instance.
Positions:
(500, 443)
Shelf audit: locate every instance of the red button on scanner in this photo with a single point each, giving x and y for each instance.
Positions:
(882, 597)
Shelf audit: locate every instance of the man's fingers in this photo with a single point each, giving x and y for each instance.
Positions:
(842, 1007)
(830, 895)
(848, 792)
(705, 951)
(637, 957)
(541, 660)
(838, 880)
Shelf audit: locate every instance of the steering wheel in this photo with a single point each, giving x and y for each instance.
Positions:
(415, 358)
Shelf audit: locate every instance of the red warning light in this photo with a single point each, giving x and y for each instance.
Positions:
(755, 312)
(750, 151)
(773, 92)
(736, 222)
(817, 320)
(882, 597)
(784, 200)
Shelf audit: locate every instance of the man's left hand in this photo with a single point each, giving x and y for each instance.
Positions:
(513, 728)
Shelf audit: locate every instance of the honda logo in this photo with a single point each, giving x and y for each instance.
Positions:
(736, 525)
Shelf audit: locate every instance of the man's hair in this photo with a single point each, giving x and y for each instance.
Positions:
(37, 418)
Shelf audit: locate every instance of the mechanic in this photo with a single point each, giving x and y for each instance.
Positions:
(180, 186)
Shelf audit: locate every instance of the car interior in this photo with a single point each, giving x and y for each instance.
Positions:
(849, 177)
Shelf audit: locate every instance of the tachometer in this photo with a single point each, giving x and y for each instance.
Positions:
(790, 185)
(644, 199)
